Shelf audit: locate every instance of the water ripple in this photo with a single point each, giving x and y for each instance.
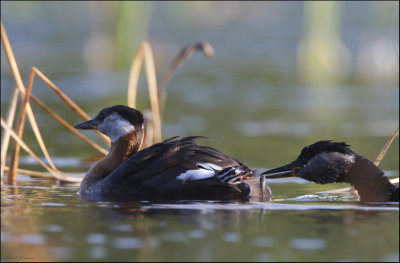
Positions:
(263, 242)
(97, 252)
(96, 239)
(196, 234)
(231, 237)
(122, 228)
(32, 239)
(53, 228)
(61, 252)
(204, 207)
(127, 243)
(307, 243)
(174, 237)
(52, 204)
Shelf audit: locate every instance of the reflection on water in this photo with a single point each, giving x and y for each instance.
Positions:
(43, 222)
(250, 99)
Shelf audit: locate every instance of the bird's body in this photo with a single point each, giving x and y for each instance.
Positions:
(330, 162)
(172, 169)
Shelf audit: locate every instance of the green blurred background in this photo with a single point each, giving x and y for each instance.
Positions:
(284, 74)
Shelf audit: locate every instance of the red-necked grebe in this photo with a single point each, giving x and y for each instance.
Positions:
(331, 162)
(172, 169)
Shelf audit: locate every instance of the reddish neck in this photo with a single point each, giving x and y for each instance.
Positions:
(119, 152)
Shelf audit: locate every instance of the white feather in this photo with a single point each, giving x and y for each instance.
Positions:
(197, 174)
(206, 170)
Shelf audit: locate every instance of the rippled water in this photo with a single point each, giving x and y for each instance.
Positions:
(43, 221)
(251, 100)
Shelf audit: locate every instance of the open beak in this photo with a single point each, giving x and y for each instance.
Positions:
(92, 124)
(288, 170)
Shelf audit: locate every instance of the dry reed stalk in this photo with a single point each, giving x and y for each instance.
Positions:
(26, 109)
(58, 118)
(12, 173)
(35, 126)
(153, 92)
(145, 54)
(30, 172)
(67, 100)
(26, 148)
(42, 174)
(6, 135)
(56, 174)
(11, 59)
(184, 55)
(38, 136)
(149, 130)
(157, 97)
(61, 94)
(132, 94)
(67, 125)
(134, 77)
(386, 147)
(19, 84)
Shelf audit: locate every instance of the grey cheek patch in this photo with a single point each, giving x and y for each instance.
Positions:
(114, 126)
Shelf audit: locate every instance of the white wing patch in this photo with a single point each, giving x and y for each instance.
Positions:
(197, 174)
(206, 170)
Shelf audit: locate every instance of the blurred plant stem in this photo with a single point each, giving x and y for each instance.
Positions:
(132, 22)
(322, 57)
(378, 51)
(117, 31)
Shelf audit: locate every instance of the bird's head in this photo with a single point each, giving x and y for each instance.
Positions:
(330, 153)
(115, 121)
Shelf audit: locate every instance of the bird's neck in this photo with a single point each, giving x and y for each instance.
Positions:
(119, 152)
(124, 146)
(369, 181)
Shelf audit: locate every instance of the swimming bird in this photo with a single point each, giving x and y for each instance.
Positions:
(333, 162)
(172, 169)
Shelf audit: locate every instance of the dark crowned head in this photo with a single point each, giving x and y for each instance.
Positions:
(321, 162)
(309, 152)
(332, 162)
(115, 121)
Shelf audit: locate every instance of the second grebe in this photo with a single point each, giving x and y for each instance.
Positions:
(331, 162)
(172, 169)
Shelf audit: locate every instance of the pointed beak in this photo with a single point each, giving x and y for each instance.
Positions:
(92, 124)
(288, 170)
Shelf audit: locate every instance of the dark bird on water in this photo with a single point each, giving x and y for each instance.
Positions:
(172, 169)
(327, 162)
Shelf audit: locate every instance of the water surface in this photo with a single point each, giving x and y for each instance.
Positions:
(253, 102)
(43, 221)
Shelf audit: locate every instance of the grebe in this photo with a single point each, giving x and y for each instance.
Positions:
(172, 169)
(332, 162)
